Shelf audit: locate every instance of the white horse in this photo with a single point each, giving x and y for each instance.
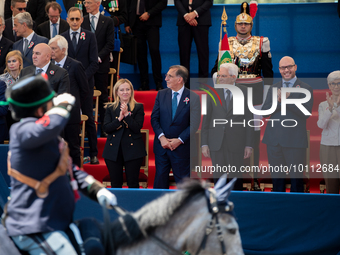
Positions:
(195, 219)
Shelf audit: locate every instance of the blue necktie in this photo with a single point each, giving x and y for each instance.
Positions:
(74, 40)
(54, 32)
(174, 104)
(93, 30)
(287, 84)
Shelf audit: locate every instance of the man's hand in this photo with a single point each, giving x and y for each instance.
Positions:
(106, 198)
(247, 152)
(144, 17)
(174, 143)
(165, 143)
(193, 23)
(128, 29)
(190, 16)
(206, 151)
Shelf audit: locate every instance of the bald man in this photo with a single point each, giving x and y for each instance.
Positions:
(57, 76)
(287, 142)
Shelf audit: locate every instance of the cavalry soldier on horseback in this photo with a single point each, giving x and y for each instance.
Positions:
(44, 183)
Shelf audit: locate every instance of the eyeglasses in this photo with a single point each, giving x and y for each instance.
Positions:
(74, 19)
(169, 76)
(86, 2)
(333, 84)
(282, 68)
(22, 9)
(224, 76)
(53, 17)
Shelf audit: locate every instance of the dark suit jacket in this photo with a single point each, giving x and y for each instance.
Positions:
(153, 7)
(79, 87)
(125, 133)
(86, 52)
(37, 10)
(237, 136)
(27, 58)
(202, 7)
(295, 137)
(8, 32)
(105, 40)
(57, 76)
(5, 47)
(44, 28)
(184, 124)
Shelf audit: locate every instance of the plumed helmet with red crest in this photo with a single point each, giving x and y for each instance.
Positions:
(248, 13)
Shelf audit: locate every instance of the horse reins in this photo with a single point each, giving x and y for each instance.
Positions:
(214, 209)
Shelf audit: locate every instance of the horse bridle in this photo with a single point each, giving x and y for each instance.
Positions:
(214, 209)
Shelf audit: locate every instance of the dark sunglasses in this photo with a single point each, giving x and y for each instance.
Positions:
(72, 19)
(22, 9)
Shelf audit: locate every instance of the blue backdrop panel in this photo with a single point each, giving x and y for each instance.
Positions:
(309, 32)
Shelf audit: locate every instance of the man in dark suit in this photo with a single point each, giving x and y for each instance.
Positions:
(78, 88)
(55, 25)
(119, 16)
(83, 47)
(23, 25)
(103, 28)
(193, 22)
(5, 46)
(57, 76)
(286, 146)
(144, 21)
(175, 117)
(227, 144)
(12, 9)
(37, 10)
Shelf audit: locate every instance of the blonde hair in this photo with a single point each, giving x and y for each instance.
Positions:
(17, 54)
(116, 98)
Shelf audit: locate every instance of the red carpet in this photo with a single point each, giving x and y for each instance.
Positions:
(148, 99)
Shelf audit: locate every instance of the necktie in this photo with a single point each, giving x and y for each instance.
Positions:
(93, 30)
(174, 104)
(38, 71)
(58, 64)
(286, 84)
(141, 7)
(54, 32)
(25, 45)
(74, 40)
(227, 99)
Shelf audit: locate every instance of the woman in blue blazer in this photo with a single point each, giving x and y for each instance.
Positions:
(124, 145)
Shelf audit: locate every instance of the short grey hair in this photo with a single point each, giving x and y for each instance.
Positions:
(13, 2)
(25, 17)
(2, 19)
(74, 9)
(61, 42)
(333, 76)
(181, 71)
(232, 68)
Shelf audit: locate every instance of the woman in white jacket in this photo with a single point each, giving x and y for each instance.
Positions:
(329, 122)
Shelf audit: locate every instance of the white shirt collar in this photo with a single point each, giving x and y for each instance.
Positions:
(291, 82)
(58, 23)
(180, 92)
(29, 38)
(44, 68)
(62, 62)
(78, 31)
